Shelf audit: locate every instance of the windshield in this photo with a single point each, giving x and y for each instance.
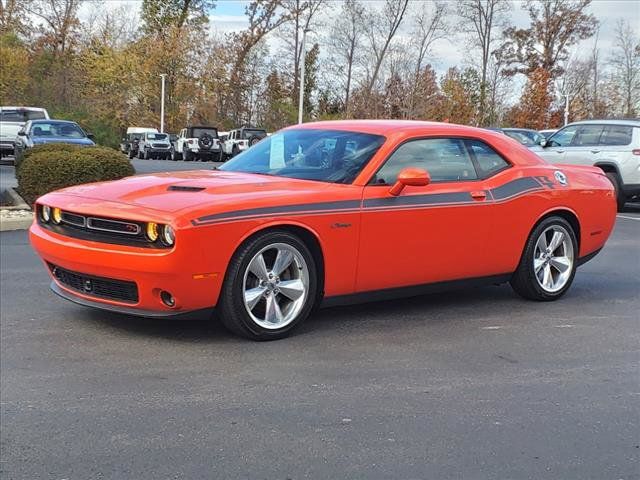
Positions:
(252, 132)
(321, 155)
(55, 129)
(197, 132)
(21, 115)
(157, 136)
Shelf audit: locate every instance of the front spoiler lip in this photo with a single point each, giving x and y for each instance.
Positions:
(206, 312)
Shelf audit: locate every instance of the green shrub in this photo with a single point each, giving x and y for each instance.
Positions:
(50, 167)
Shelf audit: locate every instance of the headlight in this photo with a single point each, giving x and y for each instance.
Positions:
(168, 235)
(45, 213)
(57, 215)
(152, 231)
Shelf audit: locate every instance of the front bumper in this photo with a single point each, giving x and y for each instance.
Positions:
(157, 150)
(176, 270)
(7, 146)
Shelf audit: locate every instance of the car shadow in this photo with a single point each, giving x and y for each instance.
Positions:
(456, 305)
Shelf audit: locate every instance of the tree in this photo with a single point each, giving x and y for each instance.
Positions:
(626, 61)
(556, 25)
(534, 107)
(14, 17)
(460, 90)
(430, 25)
(480, 18)
(158, 15)
(386, 23)
(301, 14)
(345, 40)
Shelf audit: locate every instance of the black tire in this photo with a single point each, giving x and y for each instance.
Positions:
(235, 150)
(231, 307)
(524, 280)
(175, 156)
(188, 155)
(617, 185)
(130, 154)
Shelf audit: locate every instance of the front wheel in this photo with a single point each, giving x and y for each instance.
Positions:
(270, 287)
(548, 263)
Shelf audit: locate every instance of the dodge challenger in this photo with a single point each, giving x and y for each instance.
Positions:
(326, 213)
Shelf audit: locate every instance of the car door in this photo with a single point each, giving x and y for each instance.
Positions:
(585, 146)
(425, 234)
(556, 146)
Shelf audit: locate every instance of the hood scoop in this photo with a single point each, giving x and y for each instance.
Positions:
(184, 188)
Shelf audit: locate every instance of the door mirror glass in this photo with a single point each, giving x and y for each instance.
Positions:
(543, 142)
(412, 177)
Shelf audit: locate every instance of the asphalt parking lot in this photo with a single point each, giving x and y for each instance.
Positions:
(474, 384)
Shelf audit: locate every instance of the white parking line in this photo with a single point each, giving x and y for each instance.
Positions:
(637, 219)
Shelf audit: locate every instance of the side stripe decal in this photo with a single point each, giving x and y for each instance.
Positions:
(504, 192)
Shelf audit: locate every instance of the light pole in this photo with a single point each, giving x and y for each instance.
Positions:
(302, 68)
(566, 110)
(162, 76)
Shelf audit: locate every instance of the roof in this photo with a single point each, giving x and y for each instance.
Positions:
(32, 109)
(622, 121)
(52, 120)
(386, 127)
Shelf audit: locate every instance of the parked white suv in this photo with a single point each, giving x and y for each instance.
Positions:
(12, 119)
(197, 143)
(612, 145)
(154, 145)
(240, 139)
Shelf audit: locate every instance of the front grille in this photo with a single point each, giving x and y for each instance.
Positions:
(93, 286)
(160, 145)
(100, 229)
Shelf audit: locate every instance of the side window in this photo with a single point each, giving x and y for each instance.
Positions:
(488, 160)
(588, 135)
(446, 160)
(563, 137)
(616, 135)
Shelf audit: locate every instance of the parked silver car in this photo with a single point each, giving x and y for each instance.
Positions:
(612, 145)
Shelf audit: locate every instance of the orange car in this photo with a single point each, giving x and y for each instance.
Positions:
(326, 213)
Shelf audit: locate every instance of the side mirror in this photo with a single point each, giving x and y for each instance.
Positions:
(543, 142)
(91, 136)
(22, 133)
(413, 177)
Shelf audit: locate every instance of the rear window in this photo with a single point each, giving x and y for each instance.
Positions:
(616, 135)
(253, 132)
(197, 132)
(21, 115)
(588, 135)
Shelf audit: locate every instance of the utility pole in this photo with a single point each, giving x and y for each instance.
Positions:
(566, 110)
(162, 76)
(302, 68)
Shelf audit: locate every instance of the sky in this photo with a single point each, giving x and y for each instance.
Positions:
(228, 16)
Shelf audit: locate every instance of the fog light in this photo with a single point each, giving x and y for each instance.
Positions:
(56, 215)
(167, 299)
(45, 213)
(152, 231)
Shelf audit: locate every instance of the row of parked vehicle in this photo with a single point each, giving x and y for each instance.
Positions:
(193, 143)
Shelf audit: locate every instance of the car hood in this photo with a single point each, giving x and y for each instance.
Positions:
(72, 141)
(204, 192)
(10, 129)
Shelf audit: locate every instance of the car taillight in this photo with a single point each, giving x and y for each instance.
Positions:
(190, 141)
(636, 151)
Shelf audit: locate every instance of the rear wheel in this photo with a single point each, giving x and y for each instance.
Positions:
(270, 287)
(617, 185)
(548, 263)
(188, 155)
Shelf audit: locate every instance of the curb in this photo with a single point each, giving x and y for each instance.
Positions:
(19, 215)
(11, 224)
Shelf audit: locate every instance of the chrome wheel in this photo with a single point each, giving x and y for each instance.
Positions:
(553, 258)
(275, 286)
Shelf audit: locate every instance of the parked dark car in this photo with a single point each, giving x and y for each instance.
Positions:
(525, 136)
(40, 132)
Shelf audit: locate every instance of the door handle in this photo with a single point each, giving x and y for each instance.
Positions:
(479, 195)
(559, 151)
(595, 151)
